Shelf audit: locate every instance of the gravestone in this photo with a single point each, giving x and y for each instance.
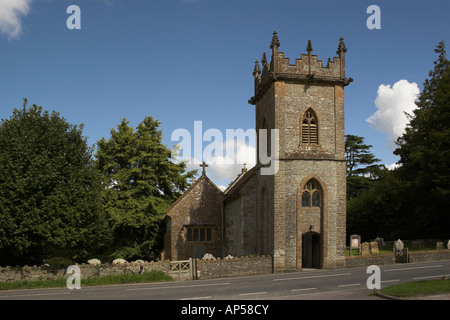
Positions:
(380, 242)
(400, 252)
(94, 262)
(365, 248)
(208, 256)
(448, 244)
(439, 245)
(119, 261)
(398, 245)
(374, 247)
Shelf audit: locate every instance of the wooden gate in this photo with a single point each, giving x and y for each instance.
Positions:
(183, 269)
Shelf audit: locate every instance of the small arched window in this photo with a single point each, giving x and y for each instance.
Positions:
(309, 128)
(311, 196)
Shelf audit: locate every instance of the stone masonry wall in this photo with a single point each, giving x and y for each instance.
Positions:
(389, 258)
(201, 205)
(324, 162)
(240, 220)
(234, 267)
(32, 273)
(426, 256)
(365, 261)
(206, 269)
(283, 93)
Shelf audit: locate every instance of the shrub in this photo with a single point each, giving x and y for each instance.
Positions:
(59, 262)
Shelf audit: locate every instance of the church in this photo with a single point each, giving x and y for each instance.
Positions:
(298, 214)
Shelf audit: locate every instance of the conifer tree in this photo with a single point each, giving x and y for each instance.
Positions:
(140, 182)
(424, 151)
(361, 165)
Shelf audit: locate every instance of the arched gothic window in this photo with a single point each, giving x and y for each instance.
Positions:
(311, 196)
(309, 128)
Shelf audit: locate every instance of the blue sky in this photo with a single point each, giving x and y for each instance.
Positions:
(182, 61)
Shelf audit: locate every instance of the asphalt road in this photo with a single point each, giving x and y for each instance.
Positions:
(339, 284)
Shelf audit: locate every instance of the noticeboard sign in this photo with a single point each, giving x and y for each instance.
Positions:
(355, 243)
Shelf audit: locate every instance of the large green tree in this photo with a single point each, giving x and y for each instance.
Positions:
(424, 151)
(49, 190)
(140, 181)
(412, 201)
(377, 211)
(362, 165)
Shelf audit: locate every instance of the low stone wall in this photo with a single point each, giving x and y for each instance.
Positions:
(87, 271)
(234, 267)
(432, 255)
(204, 269)
(389, 258)
(378, 259)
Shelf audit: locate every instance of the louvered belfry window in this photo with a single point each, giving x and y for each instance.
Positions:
(310, 130)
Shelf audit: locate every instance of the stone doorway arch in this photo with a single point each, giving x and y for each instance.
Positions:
(312, 223)
(311, 250)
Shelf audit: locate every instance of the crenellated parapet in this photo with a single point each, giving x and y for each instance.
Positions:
(307, 69)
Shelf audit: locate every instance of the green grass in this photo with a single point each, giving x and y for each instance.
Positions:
(152, 276)
(36, 284)
(417, 288)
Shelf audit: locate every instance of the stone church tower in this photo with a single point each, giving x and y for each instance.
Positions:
(302, 208)
(297, 215)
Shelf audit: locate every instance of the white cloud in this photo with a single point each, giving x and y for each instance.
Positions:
(222, 187)
(231, 156)
(11, 12)
(392, 103)
(225, 154)
(392, 166)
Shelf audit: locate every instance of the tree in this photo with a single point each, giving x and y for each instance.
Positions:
(412, 201)
(378, 210)
(424, 151)
(361, 165)
(140, 182)
(49, 190)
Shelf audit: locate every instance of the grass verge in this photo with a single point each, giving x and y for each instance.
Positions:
(417, 288)
(151, 276)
